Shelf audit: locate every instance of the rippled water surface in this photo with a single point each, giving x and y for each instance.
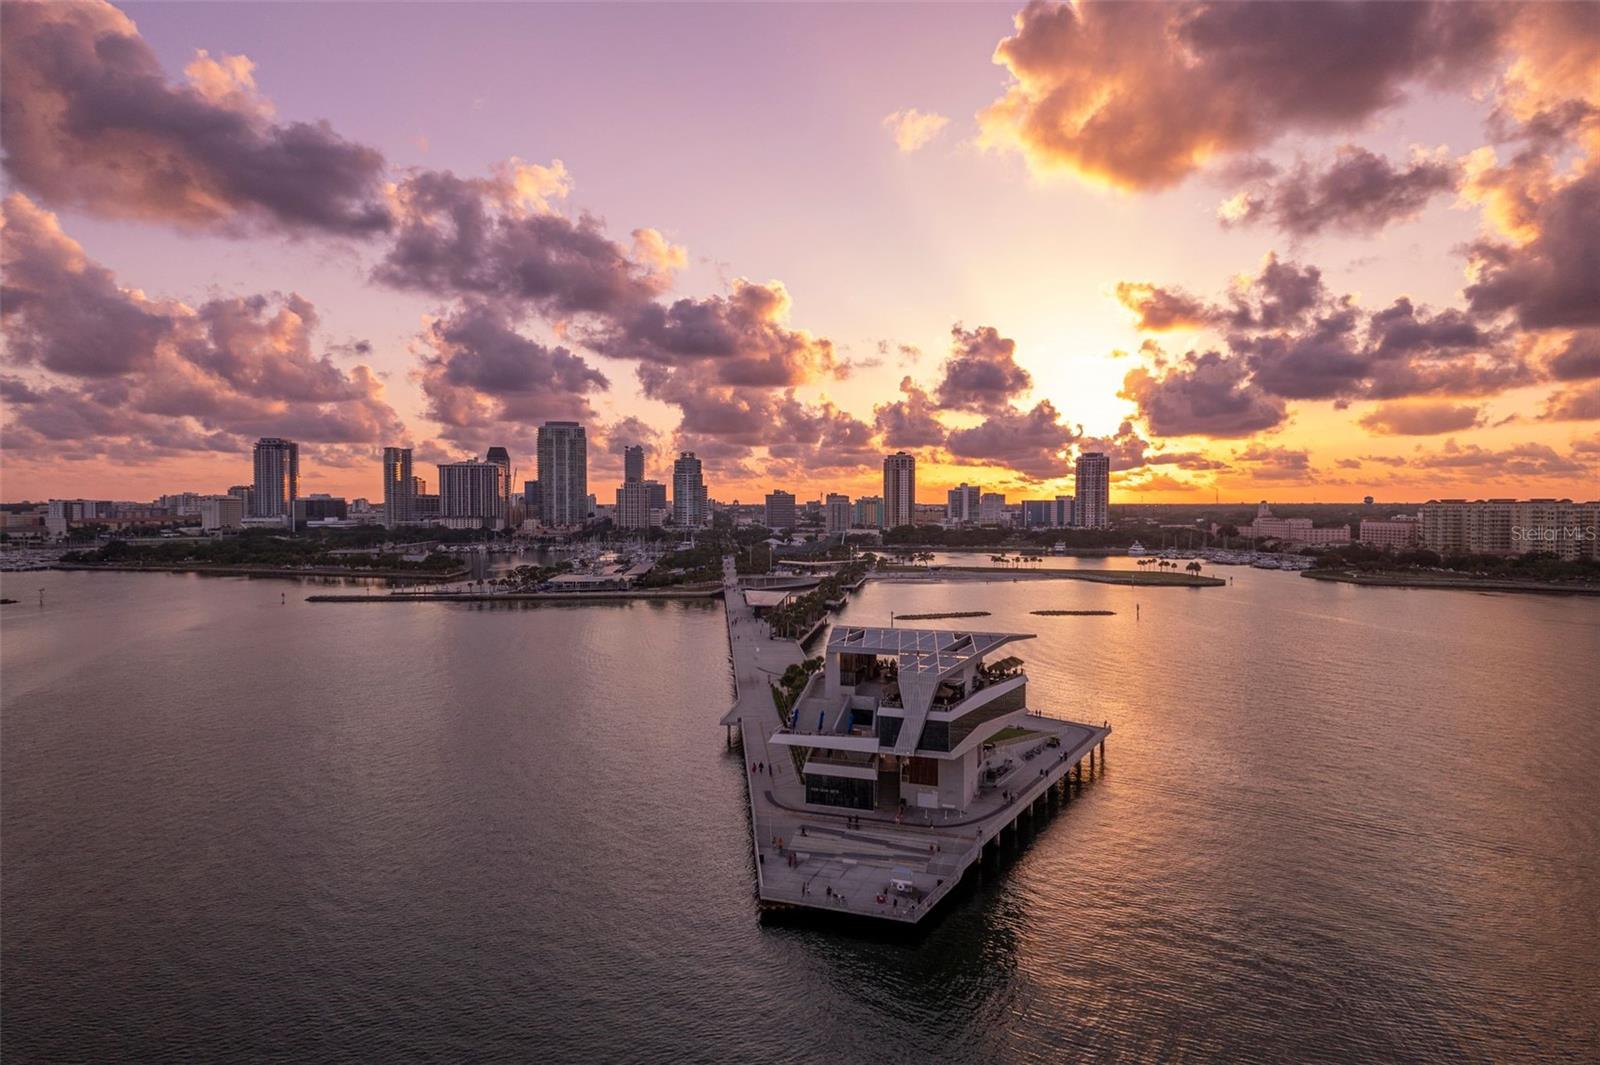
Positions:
(1338, 824)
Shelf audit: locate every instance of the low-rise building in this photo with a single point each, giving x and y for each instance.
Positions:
(221, 513)
(1268, 526)
(780, 510)
(868, 512)
(1398, 533)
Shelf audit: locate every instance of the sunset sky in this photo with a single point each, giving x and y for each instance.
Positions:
(1297, 252)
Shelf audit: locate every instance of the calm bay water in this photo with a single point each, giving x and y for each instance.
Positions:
(1338, 824)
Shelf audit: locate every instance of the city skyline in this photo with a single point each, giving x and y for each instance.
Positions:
(1385, 286)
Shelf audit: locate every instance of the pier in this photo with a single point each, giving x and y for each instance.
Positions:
(893, 865)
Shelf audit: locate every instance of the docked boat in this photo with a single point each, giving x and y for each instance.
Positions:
(1136, 550)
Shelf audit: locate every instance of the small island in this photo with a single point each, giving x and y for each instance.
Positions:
(1073, 613)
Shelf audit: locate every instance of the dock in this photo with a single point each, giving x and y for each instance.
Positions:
(812, 858)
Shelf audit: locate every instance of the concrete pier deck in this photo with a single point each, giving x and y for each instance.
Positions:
(842, 862)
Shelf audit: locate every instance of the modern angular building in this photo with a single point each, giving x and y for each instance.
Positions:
(277, 478)
(869, 512)
(898, 718)
(563, 473)
(689, 507)
(1092, 508)
(899, 490)
(399, 487)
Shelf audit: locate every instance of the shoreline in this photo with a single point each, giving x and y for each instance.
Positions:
(264, 571)
(1075, 552)
(1449, 584)
(1131, 578)
(522, 597)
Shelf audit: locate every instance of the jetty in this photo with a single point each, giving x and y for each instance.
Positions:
(874, 798)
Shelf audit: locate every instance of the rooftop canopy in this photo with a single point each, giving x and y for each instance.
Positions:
(935, 651)
(925, 656)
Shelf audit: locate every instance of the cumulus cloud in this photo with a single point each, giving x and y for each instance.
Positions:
(1575, 403)
(1141, 95)
(1186, 460)
(1287, 337)
(1204, 394)
(91, 121)
(1358, 192)
(913, 129)
(1275, 463)
(102, 369)
(1421, 419)
(483, 238)
(1548, 276)
(1578, 358)
(1034, 442)
(483, 380)
(981, 373)
(911, 422)
(1161, 309)
(744, 337)
(1520, 461)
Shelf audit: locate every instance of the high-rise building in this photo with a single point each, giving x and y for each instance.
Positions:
(502, 458)
(836, 513)
(961, 506)
(1092, 506)
(899, 489)
(470, 495)
(399, 487)
(780, 509)
(634, 510)
(563, 473)
(245, 493)
(277, 483)
(688, 491)
(1559, 527)
(633, 463)
(869, 512)
(991, 508)
(1064, 516)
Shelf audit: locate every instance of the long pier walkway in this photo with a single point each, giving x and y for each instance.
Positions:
(843, 862)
